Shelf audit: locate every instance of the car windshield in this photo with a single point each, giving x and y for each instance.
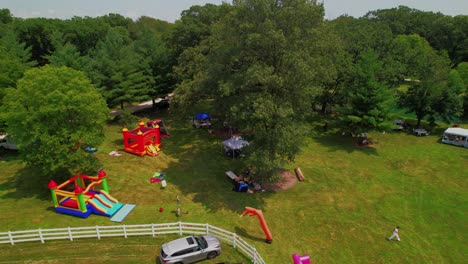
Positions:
(202, 242)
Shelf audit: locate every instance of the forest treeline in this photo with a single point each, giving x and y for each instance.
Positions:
(266, 64)
(114, 48)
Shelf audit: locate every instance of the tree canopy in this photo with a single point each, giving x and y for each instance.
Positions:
(122, 74)
(265, 65)
(428, 94)
(367, 101)
(262, 66)
(53, 114)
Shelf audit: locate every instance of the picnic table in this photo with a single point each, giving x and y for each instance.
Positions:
(421, 132)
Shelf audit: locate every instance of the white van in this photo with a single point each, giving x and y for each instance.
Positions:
(456, 136)
(7, 142)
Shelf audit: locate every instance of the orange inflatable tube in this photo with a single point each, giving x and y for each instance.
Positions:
(252, 211)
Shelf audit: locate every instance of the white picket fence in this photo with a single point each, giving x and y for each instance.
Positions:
(180, 228)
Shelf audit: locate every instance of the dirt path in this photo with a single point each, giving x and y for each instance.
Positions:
(288, 180)
(135, 108)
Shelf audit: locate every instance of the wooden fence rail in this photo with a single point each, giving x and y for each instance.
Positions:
(180, 228)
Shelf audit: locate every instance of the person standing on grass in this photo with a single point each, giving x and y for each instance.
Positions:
(395, 234)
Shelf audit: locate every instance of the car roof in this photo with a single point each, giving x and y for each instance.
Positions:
(179, 244)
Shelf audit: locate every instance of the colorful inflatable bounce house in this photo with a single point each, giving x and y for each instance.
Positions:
(142, 140)
(90, 195)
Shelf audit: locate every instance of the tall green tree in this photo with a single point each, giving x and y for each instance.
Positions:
(195, 25)
(357, 37)
(19, 50)
(443, 32)
(462, 70)
(161, 28)
(11, 70)
(14, 61)
(52, 114)
(84, 33)
(37, 33)
(429, 94)
(449, 103)
(362, 35)
(367, 101)
(69, 56)
(262, 66)
(119, 71)
(116, 20)
(156, 54)
(5, 16)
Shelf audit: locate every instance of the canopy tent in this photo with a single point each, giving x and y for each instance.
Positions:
(234, 145)
(202, 120)
(202, 116)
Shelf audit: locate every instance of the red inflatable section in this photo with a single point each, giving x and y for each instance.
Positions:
(252, 211)
(142, 140)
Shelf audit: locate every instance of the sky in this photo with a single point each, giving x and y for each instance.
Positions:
(169, 10)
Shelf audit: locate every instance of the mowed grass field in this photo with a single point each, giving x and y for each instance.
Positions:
(348, 205)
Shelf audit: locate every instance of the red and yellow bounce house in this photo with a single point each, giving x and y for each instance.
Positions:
(142, 140)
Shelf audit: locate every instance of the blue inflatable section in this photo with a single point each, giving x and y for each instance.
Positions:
(202, 116)
(75, 212)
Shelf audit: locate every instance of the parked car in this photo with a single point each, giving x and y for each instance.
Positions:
(400, 125)
(7, 142)
(190, 249)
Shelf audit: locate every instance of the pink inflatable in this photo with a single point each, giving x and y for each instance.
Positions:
(304, 259)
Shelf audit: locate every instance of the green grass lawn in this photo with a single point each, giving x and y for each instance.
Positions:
(349, 203)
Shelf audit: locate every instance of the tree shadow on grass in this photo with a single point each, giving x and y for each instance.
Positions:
(243, 233)
(9, 155)
(199, 167)
(338, 142)
(26, 183)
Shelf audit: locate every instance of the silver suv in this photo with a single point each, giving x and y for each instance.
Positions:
(190, 249)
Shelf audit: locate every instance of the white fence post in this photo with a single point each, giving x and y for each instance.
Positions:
(254, 255)
(40, 235)
(207, 228)
(70, 234)
(125, 231)
(180, 228)
(11, 238)
(152, 229)
(97, 232)
(234, 240)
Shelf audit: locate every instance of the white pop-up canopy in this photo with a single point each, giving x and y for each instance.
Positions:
(234, 144)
